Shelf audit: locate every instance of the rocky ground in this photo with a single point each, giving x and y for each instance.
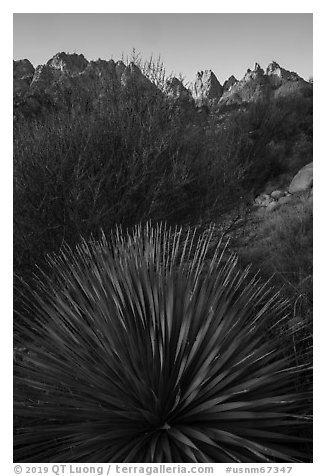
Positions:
(243, 224)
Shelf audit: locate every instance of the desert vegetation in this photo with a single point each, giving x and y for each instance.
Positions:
(131, 159)
(161, 355)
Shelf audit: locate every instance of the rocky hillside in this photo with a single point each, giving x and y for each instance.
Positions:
(259, 84)
(68, 80)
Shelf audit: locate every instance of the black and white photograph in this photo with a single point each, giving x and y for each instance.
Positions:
(163, 239)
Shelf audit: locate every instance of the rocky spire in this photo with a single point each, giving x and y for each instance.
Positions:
(273, 68)
(277, 73)
(257, 72)
(258, 69)
(69, 79)
(206, 87)
(175, 89)
(229, 83)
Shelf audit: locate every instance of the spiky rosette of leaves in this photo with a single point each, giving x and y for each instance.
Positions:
(144, 350)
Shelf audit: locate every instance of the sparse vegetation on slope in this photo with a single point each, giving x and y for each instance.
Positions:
(282, 247)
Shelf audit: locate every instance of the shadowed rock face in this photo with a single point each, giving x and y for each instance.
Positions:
(23, 74)
(131, 76)
(23, 69)
(176, 90)
(229, 83)
(67, 80)
(44, 76)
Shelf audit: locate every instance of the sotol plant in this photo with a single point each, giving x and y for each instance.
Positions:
(148, 351)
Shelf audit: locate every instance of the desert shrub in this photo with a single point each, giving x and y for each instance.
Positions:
(298, 112)
(137, 155)
(134, 157)
(277, 135)
(302, 152)
(252, 129)
(145, 351)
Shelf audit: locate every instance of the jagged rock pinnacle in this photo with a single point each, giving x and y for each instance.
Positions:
(206, 87)
(176, 90)
(229, 83)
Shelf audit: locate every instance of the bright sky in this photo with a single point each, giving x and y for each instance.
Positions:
(187, 42)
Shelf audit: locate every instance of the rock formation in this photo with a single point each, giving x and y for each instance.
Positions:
(175, 89)
(303, 180)
(255, 74)
(257, 84)
(285, 82)
(279, 75)
(252, 87)
(23, 69)
(67, 79)
(23, 75)
(229, 83)
(206, 89)
(71, 64)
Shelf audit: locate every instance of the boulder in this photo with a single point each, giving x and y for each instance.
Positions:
(277, 194)
(272, 206)
(303, 180)
(263, 200)
(283, 200)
